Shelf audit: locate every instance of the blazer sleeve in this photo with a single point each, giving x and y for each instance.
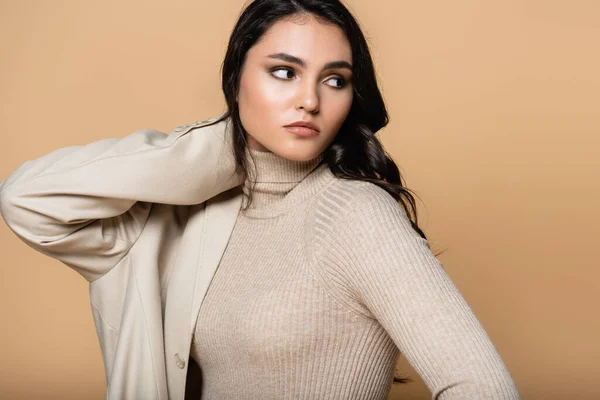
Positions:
(86, 205)
(382, 268)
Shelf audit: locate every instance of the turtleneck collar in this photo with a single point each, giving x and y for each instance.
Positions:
(281, 183)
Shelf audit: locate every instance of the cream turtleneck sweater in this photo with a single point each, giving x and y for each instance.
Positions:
(322, 285)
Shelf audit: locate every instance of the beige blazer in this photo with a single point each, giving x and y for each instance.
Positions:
(145, 220)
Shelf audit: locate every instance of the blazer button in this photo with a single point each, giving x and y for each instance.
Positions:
(179, 361)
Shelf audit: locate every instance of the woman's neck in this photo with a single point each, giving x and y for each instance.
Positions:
(275, 177)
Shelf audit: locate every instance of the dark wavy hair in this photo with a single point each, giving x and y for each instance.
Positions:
(356, 152)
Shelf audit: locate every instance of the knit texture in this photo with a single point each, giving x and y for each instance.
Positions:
(323, 283)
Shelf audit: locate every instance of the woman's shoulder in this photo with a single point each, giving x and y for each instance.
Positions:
(361, 199)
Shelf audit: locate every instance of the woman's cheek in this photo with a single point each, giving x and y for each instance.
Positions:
(277, 92)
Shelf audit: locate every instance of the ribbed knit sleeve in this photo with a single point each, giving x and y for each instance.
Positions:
(376, 262)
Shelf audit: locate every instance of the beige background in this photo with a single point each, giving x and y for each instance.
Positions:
(495, 122)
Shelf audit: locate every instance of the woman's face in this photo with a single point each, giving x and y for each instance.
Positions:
(275, 92)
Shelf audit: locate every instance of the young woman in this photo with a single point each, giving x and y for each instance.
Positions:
(304, 276)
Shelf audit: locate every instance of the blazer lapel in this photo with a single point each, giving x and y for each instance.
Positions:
(221, 214)
(207, 233)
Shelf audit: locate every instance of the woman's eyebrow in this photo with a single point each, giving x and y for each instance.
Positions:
(296, 60)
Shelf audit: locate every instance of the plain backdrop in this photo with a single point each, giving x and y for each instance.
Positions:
(494, 121)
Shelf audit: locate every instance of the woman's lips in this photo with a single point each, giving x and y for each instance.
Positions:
(301, 131)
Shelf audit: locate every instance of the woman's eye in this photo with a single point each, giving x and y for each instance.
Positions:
(341, 85)
(284, 72)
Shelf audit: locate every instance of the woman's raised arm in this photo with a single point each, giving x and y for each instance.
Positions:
(86, 205)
